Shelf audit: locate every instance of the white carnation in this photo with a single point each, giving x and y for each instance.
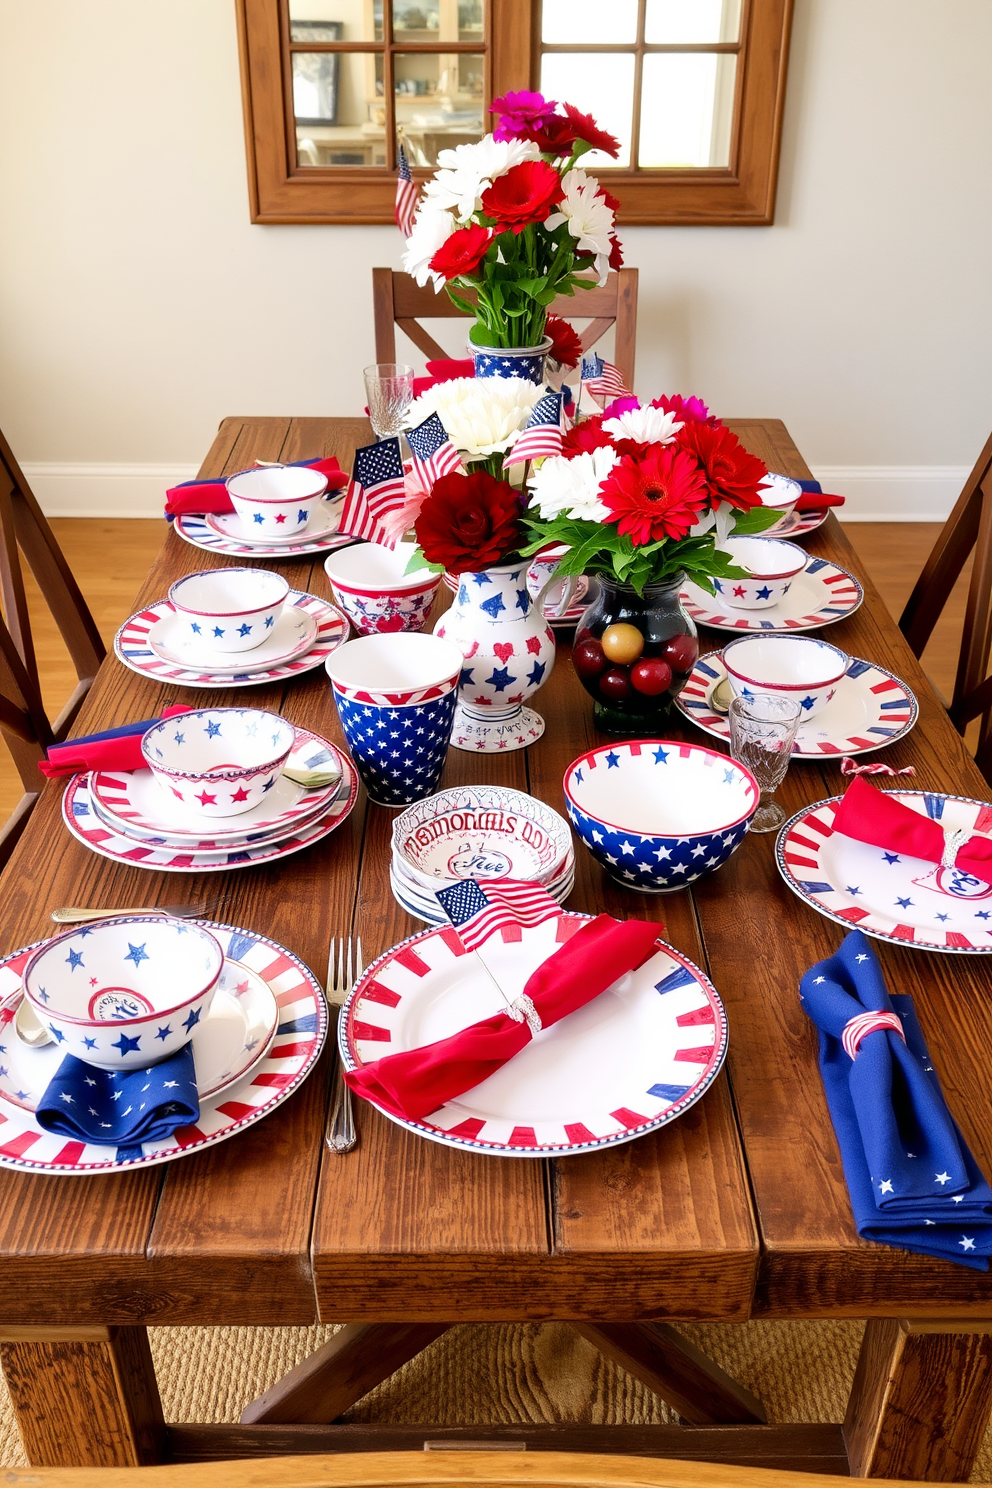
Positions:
(482, 415)
(646, 425)
(590, 220)
(469, 170)
(431, 229)
(570, 488)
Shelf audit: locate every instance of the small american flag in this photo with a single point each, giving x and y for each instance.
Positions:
(543, 433)
(477, 909)
(603, 380)
(434, 454)
(406, 195)
(377, 487)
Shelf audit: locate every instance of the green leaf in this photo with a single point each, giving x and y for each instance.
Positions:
(754, 520)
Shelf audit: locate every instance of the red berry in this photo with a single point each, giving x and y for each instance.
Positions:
(681, 652)
(615, 686)
(651, 675)
(589, 659)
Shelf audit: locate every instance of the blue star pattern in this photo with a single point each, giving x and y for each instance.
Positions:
(74, 959)
(137, 954)
(399, 751)
(125, 1044)
(212, 728)
(501, 678)
(498, 364)
(493, 606)
(122, 1109)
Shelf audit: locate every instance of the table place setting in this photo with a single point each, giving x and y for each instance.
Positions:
(161, 1037)
(230, 627)
(270, 511)
(785, 590)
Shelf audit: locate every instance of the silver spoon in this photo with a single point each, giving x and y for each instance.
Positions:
(722, 696)
(27, 1027)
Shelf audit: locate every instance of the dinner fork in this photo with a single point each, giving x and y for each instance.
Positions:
(344, 969)
(72, 914)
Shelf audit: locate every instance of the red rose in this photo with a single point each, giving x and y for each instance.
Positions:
(524, 195)
(587, 130)
(657, 495)
(469, 522)
(462, 252)
(731, 474)
(566, 348)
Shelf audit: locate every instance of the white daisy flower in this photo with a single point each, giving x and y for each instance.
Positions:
(482, 415)
(570, 488)
(469, 170)
(590, 220)
(431, 229)
(646, 425)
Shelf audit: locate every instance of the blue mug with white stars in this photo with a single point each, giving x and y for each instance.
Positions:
(395, 696)
(228, 609)
(124, 993)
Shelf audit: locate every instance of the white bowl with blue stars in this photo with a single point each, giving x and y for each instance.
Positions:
(217, 761)
(126, 993)
(656, 814)
(275, 500)
(229, 609)
(801, 669)
(770, 567)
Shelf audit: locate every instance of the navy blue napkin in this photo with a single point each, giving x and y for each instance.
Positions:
(912, 1180)
(121, 1108)
(810, 486)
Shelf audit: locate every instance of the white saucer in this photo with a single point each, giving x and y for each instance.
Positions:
(292, 635)
(234, 1036)
(822, 593)
(323, 523)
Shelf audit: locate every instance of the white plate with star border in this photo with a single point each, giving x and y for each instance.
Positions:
(820, 595)
(88, 827)
(870, 709)
(132, 648)
(632, 1060)
(235, 1034)
(269, 1080)
(888, 895)
(292, 635)
(196, 531)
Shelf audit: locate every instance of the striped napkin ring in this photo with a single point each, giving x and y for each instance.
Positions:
(523, 1008)
(863, 1024)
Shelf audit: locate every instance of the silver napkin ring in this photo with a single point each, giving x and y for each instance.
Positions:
(954, 841)
(523, 1008)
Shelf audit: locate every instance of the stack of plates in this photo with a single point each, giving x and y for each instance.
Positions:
(226, 534)
(126, 816)
(477, 831)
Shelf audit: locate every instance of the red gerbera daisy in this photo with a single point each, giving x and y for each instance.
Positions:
(566, 348)
(655, 496)
(463, 251)
(588, 130)
(731, 474)
(524, 195)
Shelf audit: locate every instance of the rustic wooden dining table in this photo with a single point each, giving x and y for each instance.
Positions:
(738, 1210)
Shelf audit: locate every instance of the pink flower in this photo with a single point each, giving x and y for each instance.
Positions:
(522, 113)
(689, 410)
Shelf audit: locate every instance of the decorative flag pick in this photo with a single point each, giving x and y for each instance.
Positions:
(602, 380)
(543, 433)
(477, 910)
(406, 195)
(434, 454)
(377, 489)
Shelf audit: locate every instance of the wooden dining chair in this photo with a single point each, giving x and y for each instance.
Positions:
(967, 530)
(398, 301)
(25, 725)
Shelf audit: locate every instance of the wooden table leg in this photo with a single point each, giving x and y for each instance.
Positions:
(84, 1397)
(671, 1366)
(350, 1364)
(921, 1399)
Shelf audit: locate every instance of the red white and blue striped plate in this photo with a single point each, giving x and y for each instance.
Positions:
(630, 1061)
(800, 524)
(294, 1052)
(197, 531)
(132, 648)
(823, 593)
(870, 709)
(889, 895)
(85, 824)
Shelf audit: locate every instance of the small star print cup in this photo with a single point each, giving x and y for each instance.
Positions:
(769, 568)
(229, 609)
(395, 696)
(218, 761)
(276, 501)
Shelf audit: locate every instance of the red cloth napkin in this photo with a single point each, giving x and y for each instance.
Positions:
(817, 500)
(870, 815)
(443, 371)
(211, 495)
(418, 1081)
(117, 749)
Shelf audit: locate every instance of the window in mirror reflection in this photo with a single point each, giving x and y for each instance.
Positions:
(348, 126)
(351, 20)
(438, 102)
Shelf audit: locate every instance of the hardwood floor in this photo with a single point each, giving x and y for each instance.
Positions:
(110, 558)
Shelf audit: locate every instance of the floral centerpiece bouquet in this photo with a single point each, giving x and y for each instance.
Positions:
(517, 220)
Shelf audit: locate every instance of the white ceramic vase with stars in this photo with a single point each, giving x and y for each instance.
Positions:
(509, 650)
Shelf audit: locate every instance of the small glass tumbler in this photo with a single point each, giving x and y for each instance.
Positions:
(389, 393)
(762, 732)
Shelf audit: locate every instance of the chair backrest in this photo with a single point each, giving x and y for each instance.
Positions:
(968, 529)
(398, 301)
(23, 720)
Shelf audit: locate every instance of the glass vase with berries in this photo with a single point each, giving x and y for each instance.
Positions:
(644, 498)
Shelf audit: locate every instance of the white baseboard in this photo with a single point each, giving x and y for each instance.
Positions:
(875, 493)
(111, 490)
(894, 493)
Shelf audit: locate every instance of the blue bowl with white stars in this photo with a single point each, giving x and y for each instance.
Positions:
(656, 814)
(217, 761)
(801, 669)
(229, 609)
(126, 993)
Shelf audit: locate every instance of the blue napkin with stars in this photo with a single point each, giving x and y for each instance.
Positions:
(121, 1108)
(912, 1180)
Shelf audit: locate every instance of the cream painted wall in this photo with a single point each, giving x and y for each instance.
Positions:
(138, 305)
